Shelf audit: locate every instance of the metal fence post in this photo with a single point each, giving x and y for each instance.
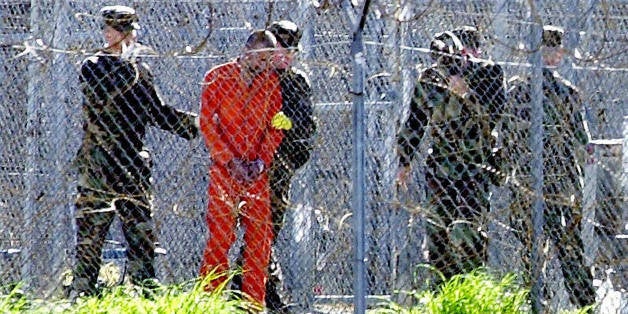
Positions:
(358, 202)
(536, 145)
(31, 167)
(37, 246)
(58, 166)
(624, 175)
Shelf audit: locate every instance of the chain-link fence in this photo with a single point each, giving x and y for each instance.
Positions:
(455, 175)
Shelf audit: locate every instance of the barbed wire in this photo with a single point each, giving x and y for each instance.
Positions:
(32, 50)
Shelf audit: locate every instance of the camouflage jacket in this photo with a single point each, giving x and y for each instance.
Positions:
(459, 125)
(565, 135)
(120, 102)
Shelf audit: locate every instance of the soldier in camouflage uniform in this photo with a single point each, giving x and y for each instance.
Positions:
(564, 143)
(114, 166)
(456, 104)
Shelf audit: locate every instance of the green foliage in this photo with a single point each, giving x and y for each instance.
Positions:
(478, 292)
(475, 293)
(14, 302)
(585, 310)
(185, 298)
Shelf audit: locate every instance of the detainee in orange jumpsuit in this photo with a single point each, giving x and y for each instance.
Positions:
(239, 100)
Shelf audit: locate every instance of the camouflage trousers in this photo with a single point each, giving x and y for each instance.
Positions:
(456, 234)
(95, 212)
(562, 229)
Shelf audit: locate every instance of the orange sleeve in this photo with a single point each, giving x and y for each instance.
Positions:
(209, 119)
(273, 136)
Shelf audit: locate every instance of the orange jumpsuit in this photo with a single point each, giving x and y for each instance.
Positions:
(235, 120)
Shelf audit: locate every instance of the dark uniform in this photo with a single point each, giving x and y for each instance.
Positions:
(292, 154)
(114, 166)
(564, 140)
(461, 149)
(294, 151)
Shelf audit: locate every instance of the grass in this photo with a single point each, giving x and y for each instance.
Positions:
(477, 292)
(185, 298)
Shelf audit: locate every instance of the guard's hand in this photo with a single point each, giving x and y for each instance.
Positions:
(281, 122)
(458, 85)
(402, 177)
(197, 122)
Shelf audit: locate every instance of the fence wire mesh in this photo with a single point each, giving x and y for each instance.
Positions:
(459, 157)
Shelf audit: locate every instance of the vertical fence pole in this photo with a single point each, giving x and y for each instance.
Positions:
(57, 170)
(400, 268)
(536, 145)
(624, 175)
(31, 169)
(359, 64)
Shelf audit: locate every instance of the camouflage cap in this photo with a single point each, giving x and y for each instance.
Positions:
(445, 43)
(121, 18)
(447, 50)
(287, 33)
(552, 36)
(468, 35)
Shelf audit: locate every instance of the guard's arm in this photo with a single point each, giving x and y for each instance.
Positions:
(179, 122)
(412, 131)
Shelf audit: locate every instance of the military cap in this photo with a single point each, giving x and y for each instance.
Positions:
(287, 33)
(119, 17)
(468, 35)
(447, 50)
(552, 36)
(445, 43)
